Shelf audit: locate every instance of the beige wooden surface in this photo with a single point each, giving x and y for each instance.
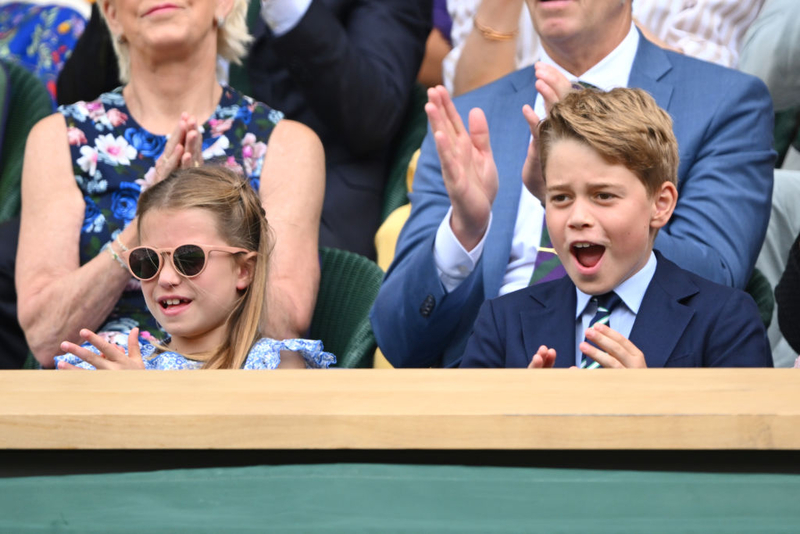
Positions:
(402, 409)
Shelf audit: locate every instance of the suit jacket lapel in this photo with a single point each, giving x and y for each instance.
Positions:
(550, 321)
(650, 66)
(510, 136)
(662, 319)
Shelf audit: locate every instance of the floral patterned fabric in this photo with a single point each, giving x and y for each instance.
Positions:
(114, 162)
(40, 37)
(265, 354)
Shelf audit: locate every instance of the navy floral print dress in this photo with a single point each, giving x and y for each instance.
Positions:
(114, 159)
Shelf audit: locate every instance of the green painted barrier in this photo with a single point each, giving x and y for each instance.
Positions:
(401, 498)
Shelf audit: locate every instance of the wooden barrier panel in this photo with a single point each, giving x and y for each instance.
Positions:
(657, 409)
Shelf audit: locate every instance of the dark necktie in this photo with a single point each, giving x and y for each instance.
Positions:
(605, 305)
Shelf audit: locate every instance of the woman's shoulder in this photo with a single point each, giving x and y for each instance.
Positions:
(265, 353)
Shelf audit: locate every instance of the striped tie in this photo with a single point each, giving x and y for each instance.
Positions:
(605, 305)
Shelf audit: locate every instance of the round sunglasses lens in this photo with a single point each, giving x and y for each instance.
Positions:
(144, 263)
(189, 259)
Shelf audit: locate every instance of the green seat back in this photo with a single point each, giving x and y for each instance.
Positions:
(348, 286)
(760, 289)
(415, 126)
(28, 103)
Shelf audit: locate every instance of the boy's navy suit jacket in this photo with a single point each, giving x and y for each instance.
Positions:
(684, 321)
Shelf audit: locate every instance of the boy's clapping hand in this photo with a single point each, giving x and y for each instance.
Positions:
(543, 359)
(616, 351)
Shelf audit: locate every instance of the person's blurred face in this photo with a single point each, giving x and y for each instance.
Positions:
(592, 22)
(164, 26)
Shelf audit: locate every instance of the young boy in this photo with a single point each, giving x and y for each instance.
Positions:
(609, 161)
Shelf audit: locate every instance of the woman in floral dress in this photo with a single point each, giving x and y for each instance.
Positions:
(86, 165)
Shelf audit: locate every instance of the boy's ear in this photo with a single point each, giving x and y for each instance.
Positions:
(664, 201)
(247, 269)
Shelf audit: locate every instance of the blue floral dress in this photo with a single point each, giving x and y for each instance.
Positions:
(114, 159)
(265, 354)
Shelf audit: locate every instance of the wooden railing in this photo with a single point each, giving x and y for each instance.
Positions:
(402, 409)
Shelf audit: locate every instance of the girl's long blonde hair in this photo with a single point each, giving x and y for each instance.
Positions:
(241, 222)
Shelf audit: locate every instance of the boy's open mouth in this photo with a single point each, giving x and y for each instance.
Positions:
(588, 254)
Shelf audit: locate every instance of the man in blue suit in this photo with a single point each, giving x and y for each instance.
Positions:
(447, 263)
(610, 163)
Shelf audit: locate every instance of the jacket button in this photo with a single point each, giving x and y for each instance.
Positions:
(427, 306)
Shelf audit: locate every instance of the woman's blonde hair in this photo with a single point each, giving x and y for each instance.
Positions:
(241, 222)
(232, 39)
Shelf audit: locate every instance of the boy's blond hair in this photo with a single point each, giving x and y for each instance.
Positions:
(625, 126)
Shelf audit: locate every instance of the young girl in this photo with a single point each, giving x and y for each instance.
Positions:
(202, 264)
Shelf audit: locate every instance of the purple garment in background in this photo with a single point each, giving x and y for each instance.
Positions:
(441, 18)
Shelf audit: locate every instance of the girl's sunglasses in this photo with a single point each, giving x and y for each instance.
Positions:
(188, 260)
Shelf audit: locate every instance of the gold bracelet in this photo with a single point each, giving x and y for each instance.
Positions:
(492, 34)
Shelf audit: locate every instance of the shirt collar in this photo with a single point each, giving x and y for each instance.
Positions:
(631, 291)
(612, 71)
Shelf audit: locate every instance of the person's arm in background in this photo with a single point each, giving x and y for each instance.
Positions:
(293, 207)
(711, 30)
(356, 72)
(490, 48)
(437, 46)
(56, 295)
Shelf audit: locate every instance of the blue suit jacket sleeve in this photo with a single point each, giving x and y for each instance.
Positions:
(356, 63)
(406, 336)
(737, 337)
(723, 121)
